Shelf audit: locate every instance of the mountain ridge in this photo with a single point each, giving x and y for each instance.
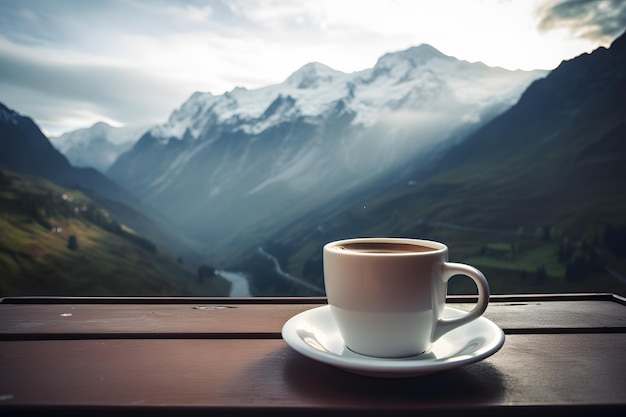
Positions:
(534, 198)
(247, 154)
(27, 150)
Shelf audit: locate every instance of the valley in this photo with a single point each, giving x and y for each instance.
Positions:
(222, 166)
(535, 197)
(527, 185)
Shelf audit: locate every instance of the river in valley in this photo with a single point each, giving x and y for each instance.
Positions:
(238, 283)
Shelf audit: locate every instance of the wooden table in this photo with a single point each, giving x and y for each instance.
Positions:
(563, 355)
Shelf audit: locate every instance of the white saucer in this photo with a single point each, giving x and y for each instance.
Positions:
(314, 334)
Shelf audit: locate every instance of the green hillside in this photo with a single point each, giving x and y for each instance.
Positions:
(57, 241)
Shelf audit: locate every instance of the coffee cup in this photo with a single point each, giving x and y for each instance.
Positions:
(387, 295)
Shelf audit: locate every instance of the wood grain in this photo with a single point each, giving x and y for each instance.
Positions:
(19, 321)
(530, 370)
(560, 357)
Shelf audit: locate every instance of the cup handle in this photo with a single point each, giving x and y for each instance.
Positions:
(449, 270)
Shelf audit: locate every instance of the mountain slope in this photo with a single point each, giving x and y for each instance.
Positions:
(558, 149)
(535, 197)
(26, 150)
(231, 169)
(57, 241)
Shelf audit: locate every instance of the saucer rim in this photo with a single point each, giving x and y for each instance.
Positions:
(392, 367)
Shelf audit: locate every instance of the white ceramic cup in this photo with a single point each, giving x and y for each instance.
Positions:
(387, 295)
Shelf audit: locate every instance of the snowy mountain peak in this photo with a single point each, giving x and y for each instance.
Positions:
(415, 57)
(101, 128)
(249, 156)
(182, 119)
(312, 75)
(419, 79)
(97, 146)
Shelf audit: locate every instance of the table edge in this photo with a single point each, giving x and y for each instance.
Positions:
(494, 298)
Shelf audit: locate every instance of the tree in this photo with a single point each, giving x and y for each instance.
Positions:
(514, 249)
(565, 251)
(615, 239)
(576, 269)
(4, 178)
(72, 242)
(205, 271)
(540, 274)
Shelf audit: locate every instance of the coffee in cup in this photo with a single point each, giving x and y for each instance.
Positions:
(387, 295)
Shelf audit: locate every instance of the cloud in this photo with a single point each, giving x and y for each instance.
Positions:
(127, 61)
(122, 61)
(596, 20)
(65, 89)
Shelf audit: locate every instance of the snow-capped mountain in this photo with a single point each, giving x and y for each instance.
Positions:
(420, 78)
(97, 146)
(234, 166)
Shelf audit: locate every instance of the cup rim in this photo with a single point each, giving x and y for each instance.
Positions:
(437, 247)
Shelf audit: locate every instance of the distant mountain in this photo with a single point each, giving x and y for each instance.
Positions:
(97, 146)
(25, 149)
(230, 169)
(536, 197)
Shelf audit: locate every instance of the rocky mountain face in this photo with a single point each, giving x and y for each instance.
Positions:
(233, 168)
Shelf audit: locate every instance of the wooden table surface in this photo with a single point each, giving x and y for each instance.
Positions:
(563, 355)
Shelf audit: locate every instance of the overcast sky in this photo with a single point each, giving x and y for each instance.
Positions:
(71, 63)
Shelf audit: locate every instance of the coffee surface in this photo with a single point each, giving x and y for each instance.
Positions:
(384, 247)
